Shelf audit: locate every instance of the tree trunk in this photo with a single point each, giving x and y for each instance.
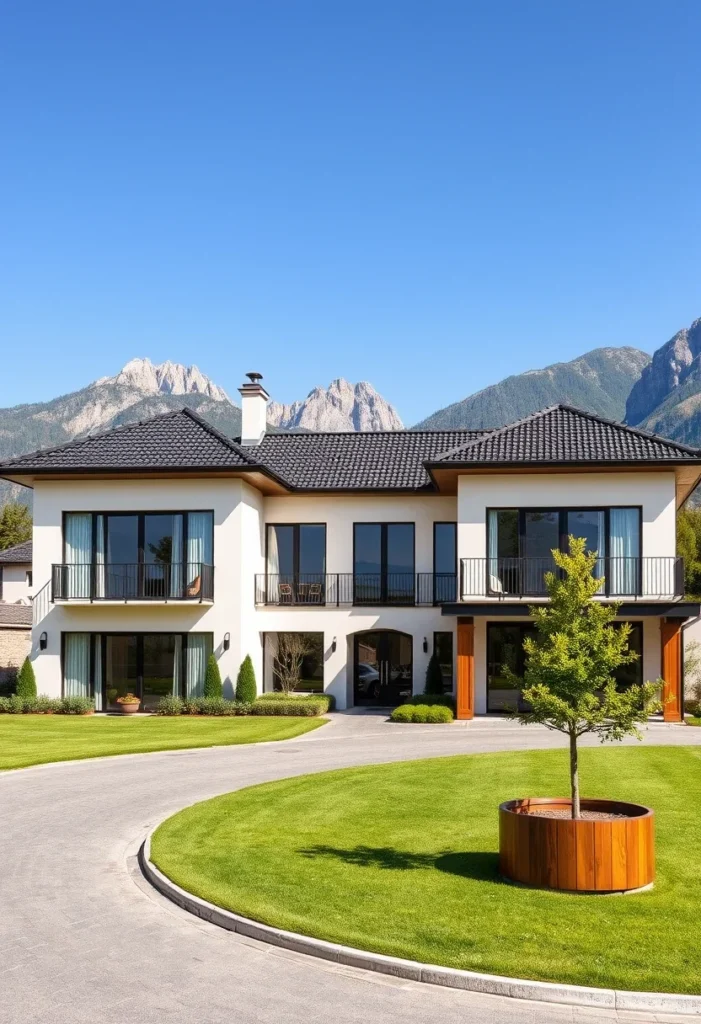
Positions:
(574, 775)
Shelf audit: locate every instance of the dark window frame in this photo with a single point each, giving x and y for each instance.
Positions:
(563, 511)
(140, 514)
(274, 632)
(384, 524)
(139, 634)
(295, 546)
(438, 598)
(451, 634)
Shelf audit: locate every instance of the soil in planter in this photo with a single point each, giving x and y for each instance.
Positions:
(564, 812)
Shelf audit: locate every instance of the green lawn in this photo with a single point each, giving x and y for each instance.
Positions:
(402, 859)
(692, 721)
(36, 739)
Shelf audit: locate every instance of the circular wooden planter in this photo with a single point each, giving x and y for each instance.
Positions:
(582, 855)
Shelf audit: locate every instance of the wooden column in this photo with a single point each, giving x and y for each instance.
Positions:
(671, 642)
(466, 668)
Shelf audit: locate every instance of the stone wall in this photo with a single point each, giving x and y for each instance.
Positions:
(15, 645)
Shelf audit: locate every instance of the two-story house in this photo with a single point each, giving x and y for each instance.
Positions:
(160, 542)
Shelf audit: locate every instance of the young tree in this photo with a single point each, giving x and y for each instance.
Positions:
(571, 660)
(15, 525)
(246, 688)
(212, 678)
(26, 681)
(434, 676)
(292, 648)
(692, 675)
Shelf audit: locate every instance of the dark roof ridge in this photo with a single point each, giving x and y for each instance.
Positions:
(374, 433)
(564, 406)
(216, 433)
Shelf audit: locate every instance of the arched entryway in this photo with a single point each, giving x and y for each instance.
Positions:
(383, 665)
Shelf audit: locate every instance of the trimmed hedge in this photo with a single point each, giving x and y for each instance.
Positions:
(429, 713)
(446, 700)
(246, 682)
(269, 704)
(17, 705)
(328, 697)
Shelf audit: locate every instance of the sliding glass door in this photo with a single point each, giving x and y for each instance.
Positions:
(296, 563)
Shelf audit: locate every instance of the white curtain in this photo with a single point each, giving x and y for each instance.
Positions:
(98, 673)
(176, 557)
(76, 670)
(495, 584)
(624, 528)
(177, 665)
(199, 543)
(199, 648)
(273, 567)
(78, 543)
(100, 557)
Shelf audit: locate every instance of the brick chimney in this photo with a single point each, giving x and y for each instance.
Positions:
(254, 407)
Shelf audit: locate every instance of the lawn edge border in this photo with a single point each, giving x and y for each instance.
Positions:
(448, 977)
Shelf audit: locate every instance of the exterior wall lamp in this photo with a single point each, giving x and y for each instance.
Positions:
(227, 641)
(425, 646)
(333, 645)
(43, 642)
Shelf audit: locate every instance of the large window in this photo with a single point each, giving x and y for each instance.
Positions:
(383, 563)
(296, 563)
(506, 663)
(444, 562)
(443, 648)
(123, 555)
(520, 544)
(107, 666)
(297, 656)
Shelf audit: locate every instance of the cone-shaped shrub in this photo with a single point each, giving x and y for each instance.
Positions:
(212, 679)
(246, 682)
(434, 676)
(26, 681)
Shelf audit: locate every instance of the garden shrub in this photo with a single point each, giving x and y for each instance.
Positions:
(170, 705)
(327, 697)
(16, 704)
(26, 681)
(212, 679)
(75, 706)
(301, 707)
(246, 682)
(434, 677)
(431, 713)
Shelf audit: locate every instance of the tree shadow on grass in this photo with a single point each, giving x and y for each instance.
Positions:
(468, 864)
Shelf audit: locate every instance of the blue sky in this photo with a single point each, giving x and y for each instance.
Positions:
(426, 195)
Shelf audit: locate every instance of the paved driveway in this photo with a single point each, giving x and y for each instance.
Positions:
(84, 939)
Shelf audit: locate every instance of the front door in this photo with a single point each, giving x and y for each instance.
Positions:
(383, 668)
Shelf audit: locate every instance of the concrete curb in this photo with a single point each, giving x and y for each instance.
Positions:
(490, 984)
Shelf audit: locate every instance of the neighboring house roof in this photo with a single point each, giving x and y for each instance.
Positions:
(563, 434)
(381, 461)
(15, 615)
(17, 555)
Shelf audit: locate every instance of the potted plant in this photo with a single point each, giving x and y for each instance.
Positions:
(129, 704)
(571, 843)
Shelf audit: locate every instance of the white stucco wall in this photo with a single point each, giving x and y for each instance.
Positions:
(237, 534)
(14, 583)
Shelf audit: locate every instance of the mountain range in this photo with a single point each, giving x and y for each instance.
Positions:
(661, 393)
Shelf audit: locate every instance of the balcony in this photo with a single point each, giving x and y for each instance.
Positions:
(133, 581)
(654, 577)
(359, 589)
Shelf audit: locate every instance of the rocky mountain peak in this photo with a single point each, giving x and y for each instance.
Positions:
(340, 406)
(672, 365)
(166, 378)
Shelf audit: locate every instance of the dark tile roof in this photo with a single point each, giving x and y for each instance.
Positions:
(562, 434)
(15, 615)
(382, 460)
(17, 554)
(174, 440)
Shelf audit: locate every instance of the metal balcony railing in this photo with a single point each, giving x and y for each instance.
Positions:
(334, 589)
(132, 581)
(656, 576)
